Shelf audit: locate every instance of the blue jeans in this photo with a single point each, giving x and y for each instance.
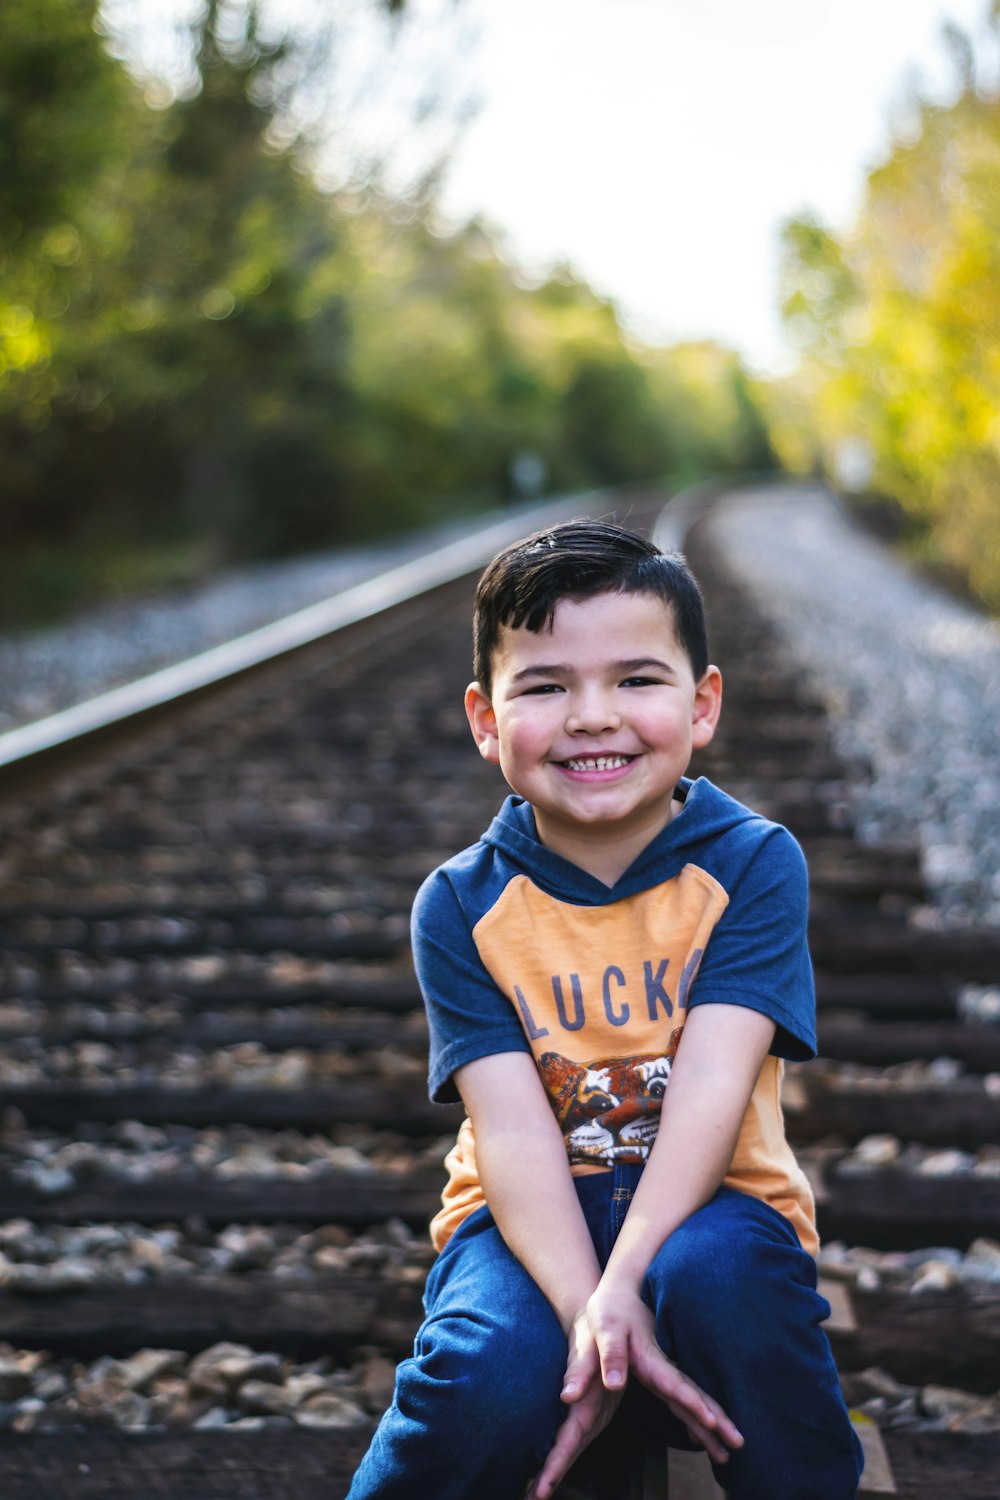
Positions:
(477, 1406)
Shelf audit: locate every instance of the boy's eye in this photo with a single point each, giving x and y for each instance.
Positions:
(543, 687)
(641, 682)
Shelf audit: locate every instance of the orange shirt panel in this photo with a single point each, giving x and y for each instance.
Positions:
(602, 996)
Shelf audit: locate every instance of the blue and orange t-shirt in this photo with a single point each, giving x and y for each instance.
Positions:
(517, 949)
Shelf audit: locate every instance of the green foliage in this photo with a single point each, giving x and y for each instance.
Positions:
(204, 357)
(900, 328)
(60, 95)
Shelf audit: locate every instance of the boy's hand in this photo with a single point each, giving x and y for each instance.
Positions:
(625, 1332)
(616, 1334)
(592, 1404)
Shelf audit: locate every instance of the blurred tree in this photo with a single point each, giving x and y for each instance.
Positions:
(204, 356)
(67, 111)
(61, 103)
(714, 411)
(900, 329)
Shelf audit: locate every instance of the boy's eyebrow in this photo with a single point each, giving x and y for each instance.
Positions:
(639, 662)
(635, 664)
(541, 670)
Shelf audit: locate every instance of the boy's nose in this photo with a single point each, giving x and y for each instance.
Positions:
(592, 714)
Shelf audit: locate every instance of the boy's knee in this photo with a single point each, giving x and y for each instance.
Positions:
(506, 1378)
(475, 1411)
(730, 1258)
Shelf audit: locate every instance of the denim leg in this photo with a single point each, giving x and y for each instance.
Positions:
(738, 1311)
(476, 1408)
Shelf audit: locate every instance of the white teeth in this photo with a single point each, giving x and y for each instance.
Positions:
(599, 763)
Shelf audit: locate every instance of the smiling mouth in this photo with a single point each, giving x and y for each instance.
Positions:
(597, 762)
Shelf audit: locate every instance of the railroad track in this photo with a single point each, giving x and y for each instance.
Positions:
(217, 1159)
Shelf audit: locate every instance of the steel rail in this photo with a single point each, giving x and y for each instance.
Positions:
(397, 585)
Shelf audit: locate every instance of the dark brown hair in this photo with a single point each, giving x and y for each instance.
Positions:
(577, 560)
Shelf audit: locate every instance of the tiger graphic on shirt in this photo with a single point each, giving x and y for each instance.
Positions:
(608, 1109)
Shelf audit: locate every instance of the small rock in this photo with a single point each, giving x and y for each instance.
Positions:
(249, 1248)
(944, 1070)
(332, 1234)
(100, 1386)
(172, 1405)
(28, 1415)
(130, 1410)
(299, 1388)
(51, 1386)
(103, 1399)
(237, 1368)
(292, 1071)
(944, 1164)
(330, 1410)
(914, 1259)
(147, 1253)
(204, 1376)
(934, 1276)
(17, 1234)
(330, 1258)
(983, 1259)
(69, 1274)
(216, 1416)
(51, 1182)
(141, 1369)
(983, 1417)
(943, 1401)
(93, 1237)
(366, 1256)
(979, 1003)
(868, 1279)
(266, 1399)
(877, 1150)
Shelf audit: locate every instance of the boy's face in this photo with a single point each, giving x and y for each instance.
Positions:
(594, 720)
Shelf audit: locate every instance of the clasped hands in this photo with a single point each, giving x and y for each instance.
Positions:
(613, 1336)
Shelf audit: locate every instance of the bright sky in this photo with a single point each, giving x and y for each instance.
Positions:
(658, 144)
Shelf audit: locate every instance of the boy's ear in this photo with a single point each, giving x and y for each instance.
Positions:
(482, 722)
(707, 708)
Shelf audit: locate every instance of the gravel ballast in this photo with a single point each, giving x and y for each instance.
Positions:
(910, 675)
(103, 646)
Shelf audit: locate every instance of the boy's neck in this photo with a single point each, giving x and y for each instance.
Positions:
(602, 853)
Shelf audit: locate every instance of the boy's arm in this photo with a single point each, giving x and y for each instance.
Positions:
(525, 1174)
(722, 1051)
(720, 1057)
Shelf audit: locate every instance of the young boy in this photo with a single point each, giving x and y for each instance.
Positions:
(612, 976)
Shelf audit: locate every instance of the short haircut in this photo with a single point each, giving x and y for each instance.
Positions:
(577, 560)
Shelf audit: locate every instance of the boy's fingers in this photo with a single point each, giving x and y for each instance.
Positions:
(614, 1361)
(580, 1371)
(698, 1407)
(687, 1400)
(570, 1441)
(706, 1436)
(582, 1423)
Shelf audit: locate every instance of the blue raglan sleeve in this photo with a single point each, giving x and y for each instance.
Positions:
(468, 1015)
(758, 955)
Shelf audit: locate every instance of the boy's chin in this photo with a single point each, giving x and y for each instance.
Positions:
(609, 820)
